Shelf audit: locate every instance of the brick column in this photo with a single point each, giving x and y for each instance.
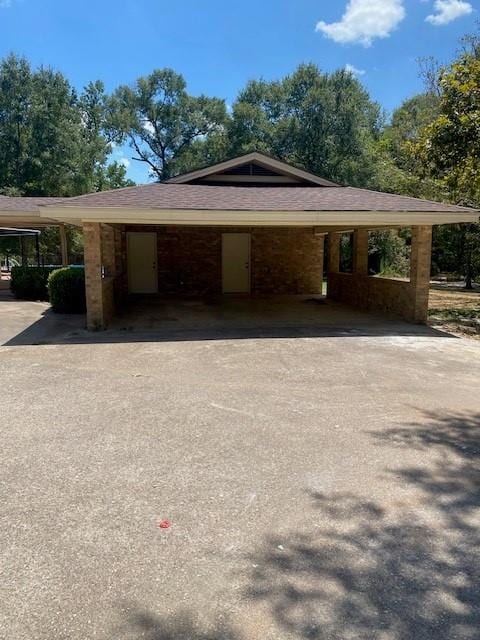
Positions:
(420, 266)
(108, 251)
(98, 290)
(334, 252)
(360, 252)
(333, 269)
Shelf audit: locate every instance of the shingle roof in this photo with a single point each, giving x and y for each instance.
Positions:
(221, 198)
(25, 205)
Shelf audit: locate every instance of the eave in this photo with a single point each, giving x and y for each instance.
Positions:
(121, 215)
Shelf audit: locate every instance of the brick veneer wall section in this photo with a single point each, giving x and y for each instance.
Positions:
(407, 299)
(369, 293)
(287, 261)
(334, 252)
(99, 250)
(283, 261)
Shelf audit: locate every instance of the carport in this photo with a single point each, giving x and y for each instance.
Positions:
(251, 226)
(21, 217)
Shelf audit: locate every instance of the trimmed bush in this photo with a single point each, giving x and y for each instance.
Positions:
(67, 290)
(30, 283)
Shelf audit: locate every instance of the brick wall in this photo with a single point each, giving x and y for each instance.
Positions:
(99, 241)
(287, 261)
(369, 293)
(283, 261)
(407, 299)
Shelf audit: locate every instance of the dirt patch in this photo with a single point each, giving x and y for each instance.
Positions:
(455, 310)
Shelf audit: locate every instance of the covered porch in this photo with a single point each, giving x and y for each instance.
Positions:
(251, 226)
(132, 266)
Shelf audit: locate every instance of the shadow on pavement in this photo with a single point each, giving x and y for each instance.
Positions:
(377, 572)
(53, 328)
(181, 626)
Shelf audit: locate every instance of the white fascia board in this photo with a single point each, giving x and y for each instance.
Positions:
(121, 215)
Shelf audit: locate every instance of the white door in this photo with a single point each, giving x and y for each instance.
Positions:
(142, 262)
(236, 262)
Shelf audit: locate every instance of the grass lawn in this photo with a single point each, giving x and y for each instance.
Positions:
(455, 309)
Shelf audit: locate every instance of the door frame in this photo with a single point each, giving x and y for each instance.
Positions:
(143, 233)
(249, 289)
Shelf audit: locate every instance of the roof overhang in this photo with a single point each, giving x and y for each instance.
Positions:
(30, 219)
(120, 215)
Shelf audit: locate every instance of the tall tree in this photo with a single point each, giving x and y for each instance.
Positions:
(51, 140)
(112, 176)
(323, 122)
(449, 148)
(161, 121)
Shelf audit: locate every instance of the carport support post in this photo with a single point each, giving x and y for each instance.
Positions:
(360, 252)
(92, 235)
(420, 266)
(108, 251)
(334, 239)
(334, 252)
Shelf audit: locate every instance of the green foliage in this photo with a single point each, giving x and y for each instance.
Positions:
(449, 147)
(112, 176)
(46, 147)
(66, 288)
(9, 246)
(161, 120)
(448, 150)
(407, 124)
(30, 283)
(323, 122)
(389, 253)
(52, 141)
(346, 253)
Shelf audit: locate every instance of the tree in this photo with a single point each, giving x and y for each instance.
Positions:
(323, 122)
(162, 122)
(51, 140)
(407, 124)
(448, 150)
(112, 176)
(397, 170)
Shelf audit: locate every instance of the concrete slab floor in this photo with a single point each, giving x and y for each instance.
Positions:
(146, 314)
(322, 487)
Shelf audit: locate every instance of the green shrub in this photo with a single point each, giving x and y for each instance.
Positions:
(30, 283)
(67, 290)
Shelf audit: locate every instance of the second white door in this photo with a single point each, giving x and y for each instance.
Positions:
(236, 262)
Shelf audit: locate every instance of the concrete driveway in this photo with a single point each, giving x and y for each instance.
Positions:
(324, 486)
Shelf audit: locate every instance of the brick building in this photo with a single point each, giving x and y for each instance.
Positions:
(248, 226)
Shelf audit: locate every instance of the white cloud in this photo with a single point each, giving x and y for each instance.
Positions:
(349, 68)
(5, 3)
(448, 10)
(365, 20)
(125, 162)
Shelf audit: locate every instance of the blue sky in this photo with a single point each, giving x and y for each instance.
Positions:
(218, 46)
